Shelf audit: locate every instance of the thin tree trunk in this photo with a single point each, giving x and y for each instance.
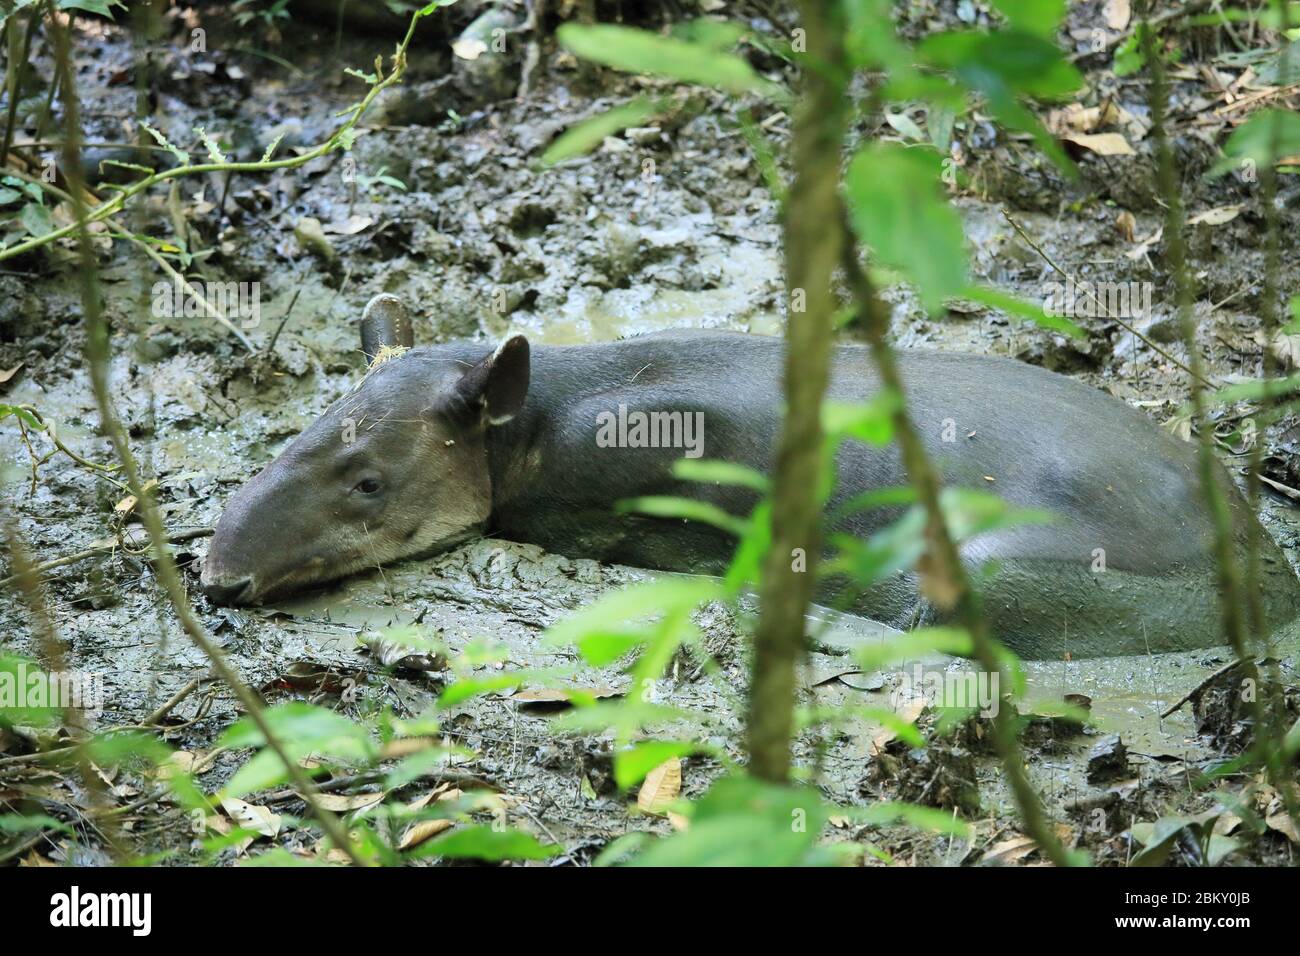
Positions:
(812, 251)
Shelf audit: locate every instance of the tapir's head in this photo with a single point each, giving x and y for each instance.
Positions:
(394, 469)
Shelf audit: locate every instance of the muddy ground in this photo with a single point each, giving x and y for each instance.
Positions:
(481, 241)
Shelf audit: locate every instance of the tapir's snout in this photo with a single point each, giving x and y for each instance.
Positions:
(240, 553)
(231, 593)
(223, 580)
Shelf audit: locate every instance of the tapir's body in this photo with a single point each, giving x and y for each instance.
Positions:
(1127, 567)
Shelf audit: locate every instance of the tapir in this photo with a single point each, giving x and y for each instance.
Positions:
(539, 443)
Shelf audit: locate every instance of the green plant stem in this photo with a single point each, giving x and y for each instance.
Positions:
(115, 205)
(942, 560)
(812, 252)
(15, 72)
(1232, 597)
(1270, 704)
(97, 361)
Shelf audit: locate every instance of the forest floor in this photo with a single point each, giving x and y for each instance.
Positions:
(590, 250)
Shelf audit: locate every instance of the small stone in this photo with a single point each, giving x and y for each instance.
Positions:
(1108, 760)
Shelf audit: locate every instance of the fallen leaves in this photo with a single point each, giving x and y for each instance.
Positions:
(661, 787)
(261, 820)
(562, 696)
(1215, 217)
(1103, 144)
(1117, 13)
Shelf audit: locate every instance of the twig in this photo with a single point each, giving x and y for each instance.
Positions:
(270, 346)
(1199, 687)
(185, 284)
(1106, 312)
(172, 702)
(105, 546)
(97, 351)
(120, 198)
(1233, 598)
(942, 556)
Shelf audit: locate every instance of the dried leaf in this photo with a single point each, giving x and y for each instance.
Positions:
(1009, 851)
(1216, 216)
(127, 505)
(561, 695)
(1126, 224)
(346, 803)
(417, 833)
(468, 48)
(1117, 13)
(1283, 824)
(1103, 144)
(350, 226)
(660, 787)
(250, 817)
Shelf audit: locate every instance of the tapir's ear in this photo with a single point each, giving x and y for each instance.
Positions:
(499, 383)
(385, 324)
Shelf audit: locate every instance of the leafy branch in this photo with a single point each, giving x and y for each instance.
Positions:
(341, 139)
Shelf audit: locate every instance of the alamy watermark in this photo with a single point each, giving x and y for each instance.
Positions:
(636, 429)
(30, 687)
(231, 300)
(976, 690)
(1125, 300)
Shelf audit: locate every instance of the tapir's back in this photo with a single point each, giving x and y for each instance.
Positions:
(1127, 567)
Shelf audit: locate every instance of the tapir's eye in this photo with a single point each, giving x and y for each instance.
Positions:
(367, 486)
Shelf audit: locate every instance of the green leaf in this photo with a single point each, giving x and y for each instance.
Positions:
(414, 766)
(30, 823)
(1283, 69)
(1040, 17)
(1255, 140)
(712, 471)
(28, 419)
(744, 822)
(100, 7)
(295, 721)
(686, 509)
(898, 211)
(271, 148)
(1129, 57)
(638, 51)
(1020, 62)
(36, 219)
(921, 642)
(622, 849)
(925, 818)
(871, 421)
(1002, 66)
(969, 512)
(303, 730)
(613, 613)
(485, 843)
(875, 498)
(1020, 309)
(16, 676)
(631, 765)
(214, 151)
(468, 687)
(710, 34)
(893, 549)
(182, 157)
(1256, 389)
